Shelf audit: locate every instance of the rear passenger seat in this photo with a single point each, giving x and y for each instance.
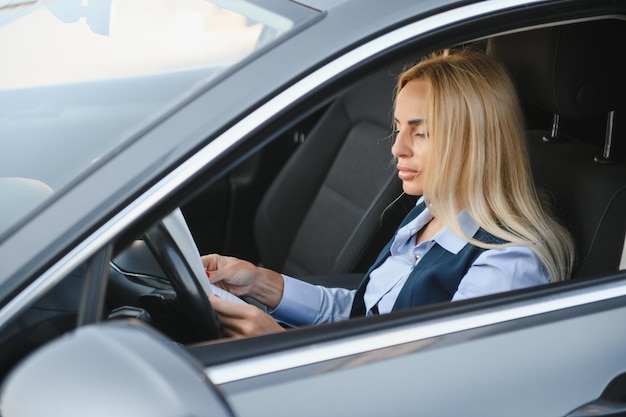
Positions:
(576, 72)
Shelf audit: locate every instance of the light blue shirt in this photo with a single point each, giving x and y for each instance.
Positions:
(493, 271)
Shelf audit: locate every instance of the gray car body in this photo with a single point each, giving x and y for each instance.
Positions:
(540, 353)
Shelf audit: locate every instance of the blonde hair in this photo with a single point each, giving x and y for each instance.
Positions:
(479, 161)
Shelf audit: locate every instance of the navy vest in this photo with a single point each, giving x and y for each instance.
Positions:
(434, 279)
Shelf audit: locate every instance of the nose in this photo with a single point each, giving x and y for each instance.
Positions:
(400, 146)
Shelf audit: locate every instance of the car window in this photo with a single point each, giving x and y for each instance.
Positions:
(51, 316)
(77, 80)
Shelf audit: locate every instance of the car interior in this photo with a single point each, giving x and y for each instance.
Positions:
(321, 217)
(322, 198)
(573, 73)
(329, 210)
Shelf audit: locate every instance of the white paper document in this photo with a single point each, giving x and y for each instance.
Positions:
(178, 229)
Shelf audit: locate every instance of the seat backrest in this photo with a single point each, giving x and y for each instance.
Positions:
(575, 71)
(19, 197)
(323, 211)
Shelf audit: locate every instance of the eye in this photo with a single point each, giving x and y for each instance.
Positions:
(418, 130)
(420, 133)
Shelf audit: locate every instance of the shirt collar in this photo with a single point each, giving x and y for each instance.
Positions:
(444, 238)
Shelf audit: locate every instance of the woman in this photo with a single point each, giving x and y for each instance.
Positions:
(478, 229)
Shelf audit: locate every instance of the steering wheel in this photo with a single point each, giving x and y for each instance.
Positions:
(170, 241)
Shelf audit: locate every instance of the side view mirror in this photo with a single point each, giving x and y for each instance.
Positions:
(117, 368)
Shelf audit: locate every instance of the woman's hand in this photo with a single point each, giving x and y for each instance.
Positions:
(244, 279)
(234, 275)
(243, 320)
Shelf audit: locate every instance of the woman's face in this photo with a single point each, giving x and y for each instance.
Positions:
(412, 145)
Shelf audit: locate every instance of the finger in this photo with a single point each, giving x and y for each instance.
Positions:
(210, 261)
(229, 316)
(225, 308)
(215, 277)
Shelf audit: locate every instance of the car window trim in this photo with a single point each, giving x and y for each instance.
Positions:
(534, 305)
(94, 290)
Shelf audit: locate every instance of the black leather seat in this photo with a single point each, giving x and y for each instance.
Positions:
(576, 72)
(322, 214)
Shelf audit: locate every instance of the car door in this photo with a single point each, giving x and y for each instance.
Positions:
(526, 354)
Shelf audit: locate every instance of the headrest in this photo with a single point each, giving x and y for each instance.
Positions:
(18, 196)
(573, 70)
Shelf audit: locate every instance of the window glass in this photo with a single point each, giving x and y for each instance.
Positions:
(79, 77)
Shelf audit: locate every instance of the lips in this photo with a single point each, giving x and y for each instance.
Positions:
(406, 173)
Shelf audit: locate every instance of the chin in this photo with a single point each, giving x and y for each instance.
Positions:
(412, 189)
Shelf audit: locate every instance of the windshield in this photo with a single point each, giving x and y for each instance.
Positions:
(78, 77)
